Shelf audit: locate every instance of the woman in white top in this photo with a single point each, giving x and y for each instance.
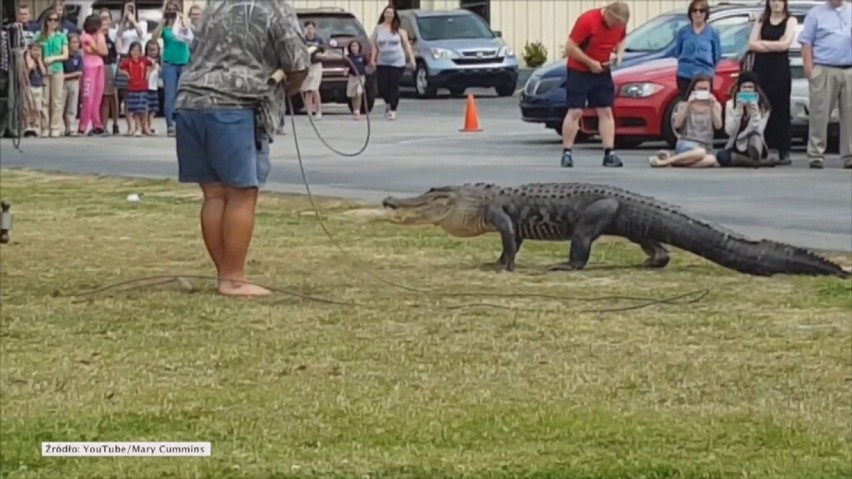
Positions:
(129, 30)
(747, 113)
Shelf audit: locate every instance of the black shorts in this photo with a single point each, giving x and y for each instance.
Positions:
(595, 88)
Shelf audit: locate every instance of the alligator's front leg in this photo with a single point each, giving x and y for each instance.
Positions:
(595, 219)
(503, 223)
(518, 242)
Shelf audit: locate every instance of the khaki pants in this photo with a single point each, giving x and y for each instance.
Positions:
(55, 93)
(830, 88)
(35, 111)
(72, 99)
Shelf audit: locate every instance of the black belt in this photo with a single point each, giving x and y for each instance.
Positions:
(841, 67)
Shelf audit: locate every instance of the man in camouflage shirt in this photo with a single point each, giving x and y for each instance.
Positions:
(225, 117)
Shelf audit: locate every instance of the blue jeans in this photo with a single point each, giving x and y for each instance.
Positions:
(171, 78)
(221, 146)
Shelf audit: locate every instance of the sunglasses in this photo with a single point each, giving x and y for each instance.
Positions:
(52, 19)
(699, 10)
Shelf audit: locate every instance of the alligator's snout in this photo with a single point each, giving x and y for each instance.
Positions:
(389, 203)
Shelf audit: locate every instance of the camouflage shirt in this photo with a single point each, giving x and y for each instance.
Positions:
(239, 44)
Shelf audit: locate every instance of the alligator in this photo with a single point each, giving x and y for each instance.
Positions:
(583, 212)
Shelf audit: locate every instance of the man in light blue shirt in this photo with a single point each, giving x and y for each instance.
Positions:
(826, 40)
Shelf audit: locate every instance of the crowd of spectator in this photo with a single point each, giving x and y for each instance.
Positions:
(757, 116)
(761, 119)
(80, 78)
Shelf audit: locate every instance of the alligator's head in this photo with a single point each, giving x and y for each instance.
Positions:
(430, 208)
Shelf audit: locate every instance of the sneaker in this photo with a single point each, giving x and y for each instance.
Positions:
(567, 160)
(115, 129)
(784, 159)
(612, 161)
(815, 163)
(847, 164)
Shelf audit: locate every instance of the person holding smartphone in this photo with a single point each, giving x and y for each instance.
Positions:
(746, 116)
(695, 123)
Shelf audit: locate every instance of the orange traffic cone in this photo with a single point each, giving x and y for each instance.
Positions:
(471, 118)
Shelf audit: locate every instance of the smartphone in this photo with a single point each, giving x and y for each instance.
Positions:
(702, 95)
(747, 97)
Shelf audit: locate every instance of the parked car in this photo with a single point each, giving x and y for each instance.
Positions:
(456, 50)
(800, 108)
(646, 94)
(338, 27)
(542, 99)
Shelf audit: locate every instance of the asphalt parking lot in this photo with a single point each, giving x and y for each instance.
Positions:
(424, 148)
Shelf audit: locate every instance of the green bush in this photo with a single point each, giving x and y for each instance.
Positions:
(535, 54)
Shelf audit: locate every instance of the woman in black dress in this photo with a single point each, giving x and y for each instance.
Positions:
(770, 41)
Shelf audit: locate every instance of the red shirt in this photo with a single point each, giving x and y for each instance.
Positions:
(601, 39)
(138, 70)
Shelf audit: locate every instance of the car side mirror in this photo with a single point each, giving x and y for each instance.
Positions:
(498, 33)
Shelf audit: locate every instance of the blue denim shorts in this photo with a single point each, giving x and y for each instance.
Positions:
(221, 146)
(683, 146)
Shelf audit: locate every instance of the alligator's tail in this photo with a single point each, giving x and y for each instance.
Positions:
(759, 258)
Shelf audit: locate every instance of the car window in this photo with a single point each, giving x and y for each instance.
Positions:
(655, 34)
(406, 24)
(332, 26)
(734, 40)
(446, 27)
(659, 32)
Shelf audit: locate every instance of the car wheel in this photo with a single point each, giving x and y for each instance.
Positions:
(457, 91)
(506, 89)
(422, 85)
(667, 129)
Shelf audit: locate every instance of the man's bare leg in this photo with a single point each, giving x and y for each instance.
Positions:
(212, 216)
(237, 228)
(606, 127)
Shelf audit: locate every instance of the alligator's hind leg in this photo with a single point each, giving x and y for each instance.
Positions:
(596, 218)
(658, 257)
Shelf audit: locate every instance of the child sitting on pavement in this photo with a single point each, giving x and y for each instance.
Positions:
(745, 122)
(697, 118)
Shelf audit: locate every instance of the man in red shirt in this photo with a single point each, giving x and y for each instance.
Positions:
(596, 36)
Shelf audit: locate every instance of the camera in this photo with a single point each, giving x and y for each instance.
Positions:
(702, 95)
(746, 97)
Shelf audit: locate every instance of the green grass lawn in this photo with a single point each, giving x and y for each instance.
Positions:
(753, 381)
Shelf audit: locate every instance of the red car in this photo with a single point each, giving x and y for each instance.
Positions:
(646, 95)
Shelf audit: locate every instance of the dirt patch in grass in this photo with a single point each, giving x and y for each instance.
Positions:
(752, 381)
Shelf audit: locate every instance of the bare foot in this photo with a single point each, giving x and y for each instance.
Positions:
(235, 288)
